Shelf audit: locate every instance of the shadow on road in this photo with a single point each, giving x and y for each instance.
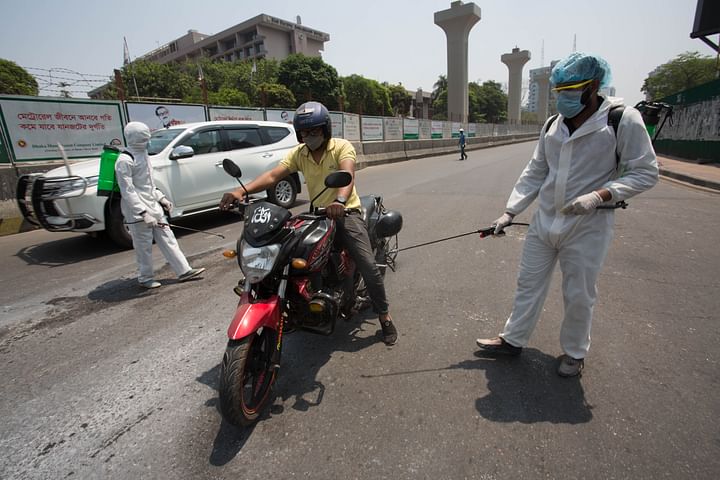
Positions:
(527, 389)
(523, 389)
(67, 251)
(304, 354)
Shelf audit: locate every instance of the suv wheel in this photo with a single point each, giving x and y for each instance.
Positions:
(115, 227)
(284, 193)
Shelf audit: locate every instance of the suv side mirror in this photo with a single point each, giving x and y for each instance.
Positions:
(181, 151)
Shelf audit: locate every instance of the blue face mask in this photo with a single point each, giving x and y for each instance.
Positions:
(569, 104)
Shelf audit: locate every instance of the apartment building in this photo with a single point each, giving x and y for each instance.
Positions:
(263, 36)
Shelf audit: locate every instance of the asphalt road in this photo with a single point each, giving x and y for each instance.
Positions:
(103, 380)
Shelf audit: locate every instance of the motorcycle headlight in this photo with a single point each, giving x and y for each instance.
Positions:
(257, 262)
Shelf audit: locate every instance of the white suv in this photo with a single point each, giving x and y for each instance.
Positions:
(187, 167)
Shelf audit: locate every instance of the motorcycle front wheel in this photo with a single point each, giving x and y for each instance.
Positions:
(247, 375)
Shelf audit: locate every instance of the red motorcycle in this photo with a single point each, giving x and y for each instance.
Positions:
(296, 278)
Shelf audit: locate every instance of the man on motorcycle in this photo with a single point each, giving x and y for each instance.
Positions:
(317, 156)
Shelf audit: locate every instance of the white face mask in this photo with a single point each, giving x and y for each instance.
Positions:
(314, 141)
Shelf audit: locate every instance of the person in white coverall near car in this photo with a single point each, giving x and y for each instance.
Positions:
(142, 206)
(579, 163)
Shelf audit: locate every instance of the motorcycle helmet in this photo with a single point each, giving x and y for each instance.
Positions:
(310, 115)
(389, 224)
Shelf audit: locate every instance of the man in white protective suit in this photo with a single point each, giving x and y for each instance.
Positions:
(581, 162)
(142, 206)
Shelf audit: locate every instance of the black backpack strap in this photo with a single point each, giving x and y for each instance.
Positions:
(614, 116)
(127, 152)
(550, 121)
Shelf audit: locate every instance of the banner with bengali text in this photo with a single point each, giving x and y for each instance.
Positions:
(34, 127)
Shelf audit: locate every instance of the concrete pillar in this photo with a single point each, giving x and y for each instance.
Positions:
(457, 22)
(515, 62)
(543, 83)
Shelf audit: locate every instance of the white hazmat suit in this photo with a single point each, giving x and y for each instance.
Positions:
(141, 207)
(563, 168)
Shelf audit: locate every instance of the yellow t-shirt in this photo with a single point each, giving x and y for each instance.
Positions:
(300, 159)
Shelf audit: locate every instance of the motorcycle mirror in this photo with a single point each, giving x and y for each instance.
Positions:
(231, 168)
(341, 178)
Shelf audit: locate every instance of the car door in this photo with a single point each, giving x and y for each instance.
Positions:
(199, 181)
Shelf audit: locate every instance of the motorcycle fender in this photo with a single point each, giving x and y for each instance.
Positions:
(249, 317)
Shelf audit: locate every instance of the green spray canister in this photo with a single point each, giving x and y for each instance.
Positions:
(107, 185)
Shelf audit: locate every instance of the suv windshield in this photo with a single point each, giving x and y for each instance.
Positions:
(161, 138)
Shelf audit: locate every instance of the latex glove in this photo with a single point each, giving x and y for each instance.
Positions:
(166, 204)
(149, 220)
(583, 204)
(502, 222)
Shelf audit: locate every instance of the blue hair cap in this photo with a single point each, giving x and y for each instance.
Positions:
(579, 66)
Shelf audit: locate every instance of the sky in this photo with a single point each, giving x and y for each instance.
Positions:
(395, 41)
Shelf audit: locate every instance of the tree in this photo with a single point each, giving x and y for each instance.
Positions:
(156, 80)
(15, 80)
(277, 96)
(439, 98)
(365, 96)
(310, 78)
(400, 99)
(685, 71)
(491, 102)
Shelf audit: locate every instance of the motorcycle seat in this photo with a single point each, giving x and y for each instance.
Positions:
(368, 204)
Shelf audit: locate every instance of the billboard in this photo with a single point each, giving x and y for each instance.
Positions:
(411, 129)
(336, 120)
(393, 128)
(285, 116)
(372, 128)
(229, 113)
(163, 115)
(351, 127)
(34, 127)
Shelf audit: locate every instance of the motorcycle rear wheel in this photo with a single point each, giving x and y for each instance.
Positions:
(247, 376)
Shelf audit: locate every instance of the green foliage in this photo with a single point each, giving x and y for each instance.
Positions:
(365, 96)
(310, 78)
(400, 99)
(156, 80)
(685, 71)
(15, 80)
(275, 95)
(490, 102)
(439, 99)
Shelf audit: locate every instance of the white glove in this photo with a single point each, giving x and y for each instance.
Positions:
(149, 220)
(502, 222)
(583, 204)
(166, 204)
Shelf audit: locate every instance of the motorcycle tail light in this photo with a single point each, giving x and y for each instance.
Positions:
(299, 263)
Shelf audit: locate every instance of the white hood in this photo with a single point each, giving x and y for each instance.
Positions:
(137, 135)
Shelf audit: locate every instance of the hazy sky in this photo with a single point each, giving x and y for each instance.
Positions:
(389, 40)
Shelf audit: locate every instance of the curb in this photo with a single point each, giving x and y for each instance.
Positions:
(689, 181)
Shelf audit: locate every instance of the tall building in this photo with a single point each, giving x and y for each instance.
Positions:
(534, 89)
(262, 36)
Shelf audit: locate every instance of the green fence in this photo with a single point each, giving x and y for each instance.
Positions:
(693, 132)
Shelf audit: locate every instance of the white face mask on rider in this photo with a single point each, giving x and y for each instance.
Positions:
(314, 141)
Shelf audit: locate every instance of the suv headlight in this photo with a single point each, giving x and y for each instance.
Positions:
(257, 262)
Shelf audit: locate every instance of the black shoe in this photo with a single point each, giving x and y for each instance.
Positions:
(499, 346)
(389, 332)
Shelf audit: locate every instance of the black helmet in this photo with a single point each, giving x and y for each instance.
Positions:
(389, 224)
(310, 115)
